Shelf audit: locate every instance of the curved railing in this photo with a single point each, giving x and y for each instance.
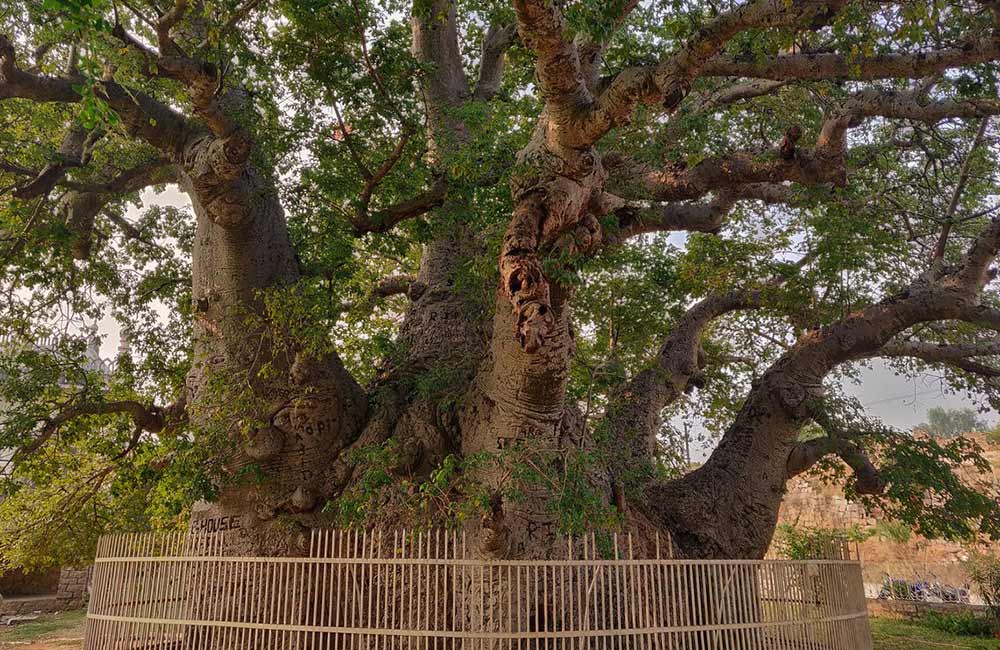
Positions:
(396, 590)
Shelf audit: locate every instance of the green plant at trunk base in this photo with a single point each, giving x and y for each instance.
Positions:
(793, 543)
(452, 494)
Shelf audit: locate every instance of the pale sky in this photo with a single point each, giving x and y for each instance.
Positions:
(902, 402)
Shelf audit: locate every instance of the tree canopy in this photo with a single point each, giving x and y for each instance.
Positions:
(949, 423)
(457, 261)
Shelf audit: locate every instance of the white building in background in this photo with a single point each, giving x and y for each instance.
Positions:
(10, 344)
(93, 362)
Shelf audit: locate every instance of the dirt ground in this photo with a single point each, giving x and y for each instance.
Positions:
(62, 631)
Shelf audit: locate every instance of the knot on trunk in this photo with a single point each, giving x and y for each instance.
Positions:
(302, 500)
(264, 443)
(222, 179)
(534, 321)
(496, 539)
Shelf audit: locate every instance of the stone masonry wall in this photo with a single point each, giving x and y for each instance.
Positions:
(74, 586)
(811, 503)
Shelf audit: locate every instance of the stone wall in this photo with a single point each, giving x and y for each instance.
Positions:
(811, 503)
(902, 610)
(74, 587)
(68, 590)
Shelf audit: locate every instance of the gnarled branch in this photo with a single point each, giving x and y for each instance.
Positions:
(542, 29)
(669, 82)
(384, 219)
(694, 217)
(805, 455)
(153, 419)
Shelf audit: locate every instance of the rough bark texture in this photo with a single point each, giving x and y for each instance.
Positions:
(442, 328)
(309, 412)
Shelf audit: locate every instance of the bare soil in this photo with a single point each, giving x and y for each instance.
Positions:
(63, 631)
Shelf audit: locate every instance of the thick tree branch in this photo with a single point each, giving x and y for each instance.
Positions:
(736, 92)
(672, 217)
(818, 166)
(755, 449)
(823, 65)
(974, 271)
(143, 116)
(149, 418)
(73, 152)
(498, 40)
(557, 66)
(634, 409)
(393, 285)
(82, 205)
(983, 316)
(877, 102)
(823, 164)
(669, 82)
(201, 78)
(938, 352)
(384, 219)
(805, 455)
(693, 217)
(841, 442)
(445, 86)
(592, 51)
(14, 82)
(962, 356)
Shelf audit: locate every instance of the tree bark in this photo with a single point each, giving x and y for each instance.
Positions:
(293, 420)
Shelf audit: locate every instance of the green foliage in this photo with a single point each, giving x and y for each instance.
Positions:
(984, 569)
(795, 543)
(931, 484)
(567, 478)
(926, 492)
(297, 60)
(959, 623)
(895, 531)
(950, 423)
(386, 492)
(453, 491)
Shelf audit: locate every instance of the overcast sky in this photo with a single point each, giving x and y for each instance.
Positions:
(902, 402)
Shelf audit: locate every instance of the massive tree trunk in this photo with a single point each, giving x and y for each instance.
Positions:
(517, 415)
(284, 414)
(444, 330)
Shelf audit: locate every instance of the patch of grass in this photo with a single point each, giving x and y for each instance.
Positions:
(47, 626)
(900, 635)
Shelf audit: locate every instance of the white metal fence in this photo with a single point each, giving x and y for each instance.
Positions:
(425, 590)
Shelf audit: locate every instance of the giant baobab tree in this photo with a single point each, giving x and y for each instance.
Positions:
(430, 271)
